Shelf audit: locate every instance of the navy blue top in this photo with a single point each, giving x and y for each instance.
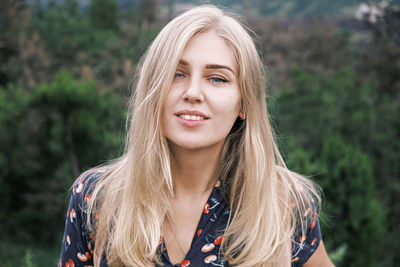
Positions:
(78, 245)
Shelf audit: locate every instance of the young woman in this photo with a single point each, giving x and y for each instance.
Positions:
(201, 182)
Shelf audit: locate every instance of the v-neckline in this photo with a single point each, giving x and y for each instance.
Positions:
(213, 200)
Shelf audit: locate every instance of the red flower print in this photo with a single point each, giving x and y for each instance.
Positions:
(218, 240)
(313, 241)
(72, 215)
(296, 259)
(82, 257)
(88, 255)
(79, 188)
(199, 232)
(87, 198)
(210, 259)
(206, 208)
(207, 247)
(70, 263)
(313, 224)
(185, 263)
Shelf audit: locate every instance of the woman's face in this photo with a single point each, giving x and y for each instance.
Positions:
(204, 99)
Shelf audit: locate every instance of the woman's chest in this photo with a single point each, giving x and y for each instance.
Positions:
(203, 247)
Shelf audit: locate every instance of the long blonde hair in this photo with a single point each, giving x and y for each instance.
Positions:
(130, 199)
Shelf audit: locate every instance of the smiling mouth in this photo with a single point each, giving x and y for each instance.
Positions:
(192, 117)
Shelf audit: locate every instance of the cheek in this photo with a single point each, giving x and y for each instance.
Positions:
(229, 104)
(166, 109)
(168, 102)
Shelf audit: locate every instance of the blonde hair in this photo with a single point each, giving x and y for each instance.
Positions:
(130, 199)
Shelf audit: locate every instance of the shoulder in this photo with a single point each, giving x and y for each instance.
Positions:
(307, 237)
(78, 243)
(81, 194)
(86, 182)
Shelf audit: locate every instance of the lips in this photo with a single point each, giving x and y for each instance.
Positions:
(191, 118)
(192, 115)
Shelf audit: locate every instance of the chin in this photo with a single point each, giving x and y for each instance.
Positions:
(190, 145)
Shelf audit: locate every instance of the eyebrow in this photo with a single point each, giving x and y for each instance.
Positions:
(208, 66)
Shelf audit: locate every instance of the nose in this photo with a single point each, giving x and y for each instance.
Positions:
(194, 93)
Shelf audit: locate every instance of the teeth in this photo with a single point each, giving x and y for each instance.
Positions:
(191, 117)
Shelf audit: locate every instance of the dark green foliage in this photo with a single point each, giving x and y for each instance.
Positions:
(290, 8)
(351, 205)
(149, 11)
(69, 35)
(306, 8)
(13, 19)
(333, 119)
(53, 134)
(72, 41)
(78, 112)
(12, 255)
(13, 106)
(104, 15)
(381, 60)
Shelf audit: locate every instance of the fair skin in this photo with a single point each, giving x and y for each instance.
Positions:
(204, 98)
(319, 258)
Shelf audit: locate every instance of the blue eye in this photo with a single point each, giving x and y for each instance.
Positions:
(178, 75)
(218, 80)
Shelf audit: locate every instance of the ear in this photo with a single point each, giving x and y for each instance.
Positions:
(242, 116)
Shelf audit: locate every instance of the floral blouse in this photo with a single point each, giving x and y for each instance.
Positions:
(78, 244)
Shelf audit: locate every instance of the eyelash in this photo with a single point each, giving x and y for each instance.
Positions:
(178, 74)
(218, 79)
(212, 79)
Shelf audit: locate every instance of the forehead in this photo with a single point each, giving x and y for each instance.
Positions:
(209, 48)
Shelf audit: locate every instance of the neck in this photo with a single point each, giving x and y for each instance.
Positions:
(194, 171)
